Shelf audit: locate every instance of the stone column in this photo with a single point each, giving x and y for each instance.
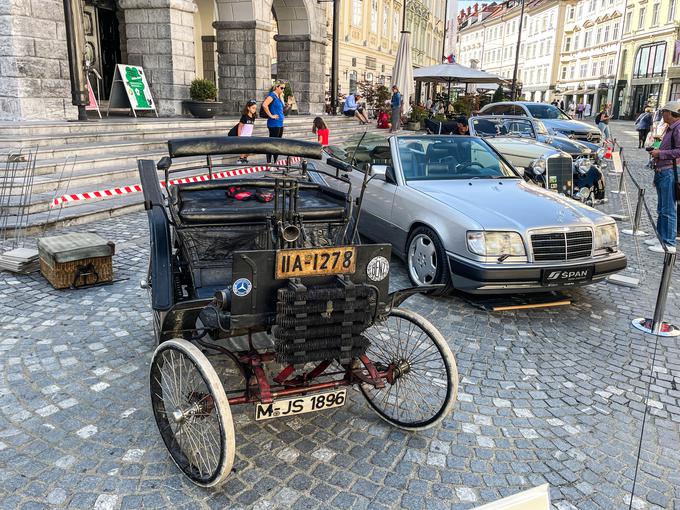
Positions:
(301, 60)
(34, 72)
(243, 62)
(160, 38)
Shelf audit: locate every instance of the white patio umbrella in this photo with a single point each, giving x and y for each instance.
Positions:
(402, 74)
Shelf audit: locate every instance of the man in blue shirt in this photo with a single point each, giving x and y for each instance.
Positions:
(396, 104)
(353, 108)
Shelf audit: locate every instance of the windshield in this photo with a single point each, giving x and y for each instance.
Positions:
(489, 126)
(374, 148)
(546, 111)
(434, 158)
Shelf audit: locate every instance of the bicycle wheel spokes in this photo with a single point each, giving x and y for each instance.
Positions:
(425, 376)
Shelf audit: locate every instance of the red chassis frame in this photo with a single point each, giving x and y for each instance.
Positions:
(251, 365)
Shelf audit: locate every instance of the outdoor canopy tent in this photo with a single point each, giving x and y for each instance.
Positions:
(455, 73)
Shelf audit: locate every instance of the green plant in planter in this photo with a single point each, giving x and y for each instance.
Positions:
(383, 94)
(418, 114)
(203, 90)
(287, 92)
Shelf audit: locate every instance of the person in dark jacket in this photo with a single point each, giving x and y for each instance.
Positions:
(642, 125)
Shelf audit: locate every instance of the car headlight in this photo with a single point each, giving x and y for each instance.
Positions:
(606, 236)
(495, 244)
(538, 166)
(582, 164)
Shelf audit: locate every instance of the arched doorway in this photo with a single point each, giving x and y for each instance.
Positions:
(243, 46)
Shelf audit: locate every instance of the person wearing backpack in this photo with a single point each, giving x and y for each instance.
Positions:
(245, 125)
(643, 124)
(273, 107)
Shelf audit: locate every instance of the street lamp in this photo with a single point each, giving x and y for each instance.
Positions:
(513, 89)
(75, 42)
(334, 55)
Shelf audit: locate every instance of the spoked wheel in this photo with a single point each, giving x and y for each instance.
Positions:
(192, 412)
(424, 381)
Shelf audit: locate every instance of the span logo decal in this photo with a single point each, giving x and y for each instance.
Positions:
(242, 287)
(567, 275)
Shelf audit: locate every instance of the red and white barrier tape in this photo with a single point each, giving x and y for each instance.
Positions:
(137, 188)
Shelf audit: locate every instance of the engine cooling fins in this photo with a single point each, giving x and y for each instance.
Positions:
(321, 323)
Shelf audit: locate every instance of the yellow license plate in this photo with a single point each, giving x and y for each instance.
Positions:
(300, 405)
(315, 262)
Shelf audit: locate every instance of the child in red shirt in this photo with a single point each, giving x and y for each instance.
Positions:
(321, 131)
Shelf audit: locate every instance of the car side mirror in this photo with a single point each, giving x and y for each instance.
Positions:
(340, 165)
(379, 172)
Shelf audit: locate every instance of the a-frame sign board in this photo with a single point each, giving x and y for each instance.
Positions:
(130, 89)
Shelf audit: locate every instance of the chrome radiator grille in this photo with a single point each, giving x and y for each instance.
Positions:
(562, 245)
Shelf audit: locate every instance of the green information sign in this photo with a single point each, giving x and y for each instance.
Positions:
(131, 90)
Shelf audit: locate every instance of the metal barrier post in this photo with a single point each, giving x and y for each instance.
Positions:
(655, 325)
(620, 191)
(635, 231)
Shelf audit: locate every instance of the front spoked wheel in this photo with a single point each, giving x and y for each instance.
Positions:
(192, 412)
(423, 383)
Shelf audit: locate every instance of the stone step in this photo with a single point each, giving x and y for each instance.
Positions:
(51, 174)
(42, 217)
(38, 132)
(157, 144)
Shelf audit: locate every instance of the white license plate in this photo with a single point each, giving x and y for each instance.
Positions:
(300, 405)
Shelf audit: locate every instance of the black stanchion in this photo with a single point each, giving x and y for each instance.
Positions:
(635, 231)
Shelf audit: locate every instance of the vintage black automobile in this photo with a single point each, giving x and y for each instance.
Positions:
(264, 275)
(526, 143)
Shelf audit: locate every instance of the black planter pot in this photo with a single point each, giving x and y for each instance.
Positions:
(203, 109)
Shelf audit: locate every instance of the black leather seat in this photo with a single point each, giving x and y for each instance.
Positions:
(208, 203)
(439, 160)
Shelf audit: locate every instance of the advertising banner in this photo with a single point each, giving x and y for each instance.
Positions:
(131, 90)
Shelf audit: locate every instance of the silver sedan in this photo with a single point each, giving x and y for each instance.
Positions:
(459, 214)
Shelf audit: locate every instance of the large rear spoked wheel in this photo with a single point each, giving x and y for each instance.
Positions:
(192, 412)
(424, 377)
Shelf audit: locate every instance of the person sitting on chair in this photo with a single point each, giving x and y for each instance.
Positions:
(353, 108)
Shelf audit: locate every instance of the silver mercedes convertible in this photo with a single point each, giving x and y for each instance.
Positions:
(460, 215)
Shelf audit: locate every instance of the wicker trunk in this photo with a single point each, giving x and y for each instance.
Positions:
(76, 260)
(78, 273)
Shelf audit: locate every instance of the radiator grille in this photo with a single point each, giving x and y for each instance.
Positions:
(562, 245)
(560, 175)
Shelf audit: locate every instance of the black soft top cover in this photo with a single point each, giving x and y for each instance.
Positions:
(215, 145)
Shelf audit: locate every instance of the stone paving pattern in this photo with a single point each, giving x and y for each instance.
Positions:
(546, 396)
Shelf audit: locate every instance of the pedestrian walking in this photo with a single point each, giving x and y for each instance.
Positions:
(588, 110)
(572, 109)
(321, 131)
(579, 110)
(273, 107)
(602, 121)
(396, 104)
(245, 125)
(667, 158)
(643, 124)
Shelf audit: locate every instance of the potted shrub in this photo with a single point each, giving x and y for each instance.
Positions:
(289, 100)
(203, 104)
(417, 116)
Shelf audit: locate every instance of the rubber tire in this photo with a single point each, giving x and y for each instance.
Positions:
(443, 275)
(449, 361)
(226, 422)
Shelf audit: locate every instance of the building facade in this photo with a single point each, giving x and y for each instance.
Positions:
(173, 40)
(590, 49)
(650, 64)
(369, 32)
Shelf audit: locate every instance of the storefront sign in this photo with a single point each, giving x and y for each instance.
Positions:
(130, 89)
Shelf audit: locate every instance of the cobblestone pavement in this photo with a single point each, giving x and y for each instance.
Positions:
(546, 396)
